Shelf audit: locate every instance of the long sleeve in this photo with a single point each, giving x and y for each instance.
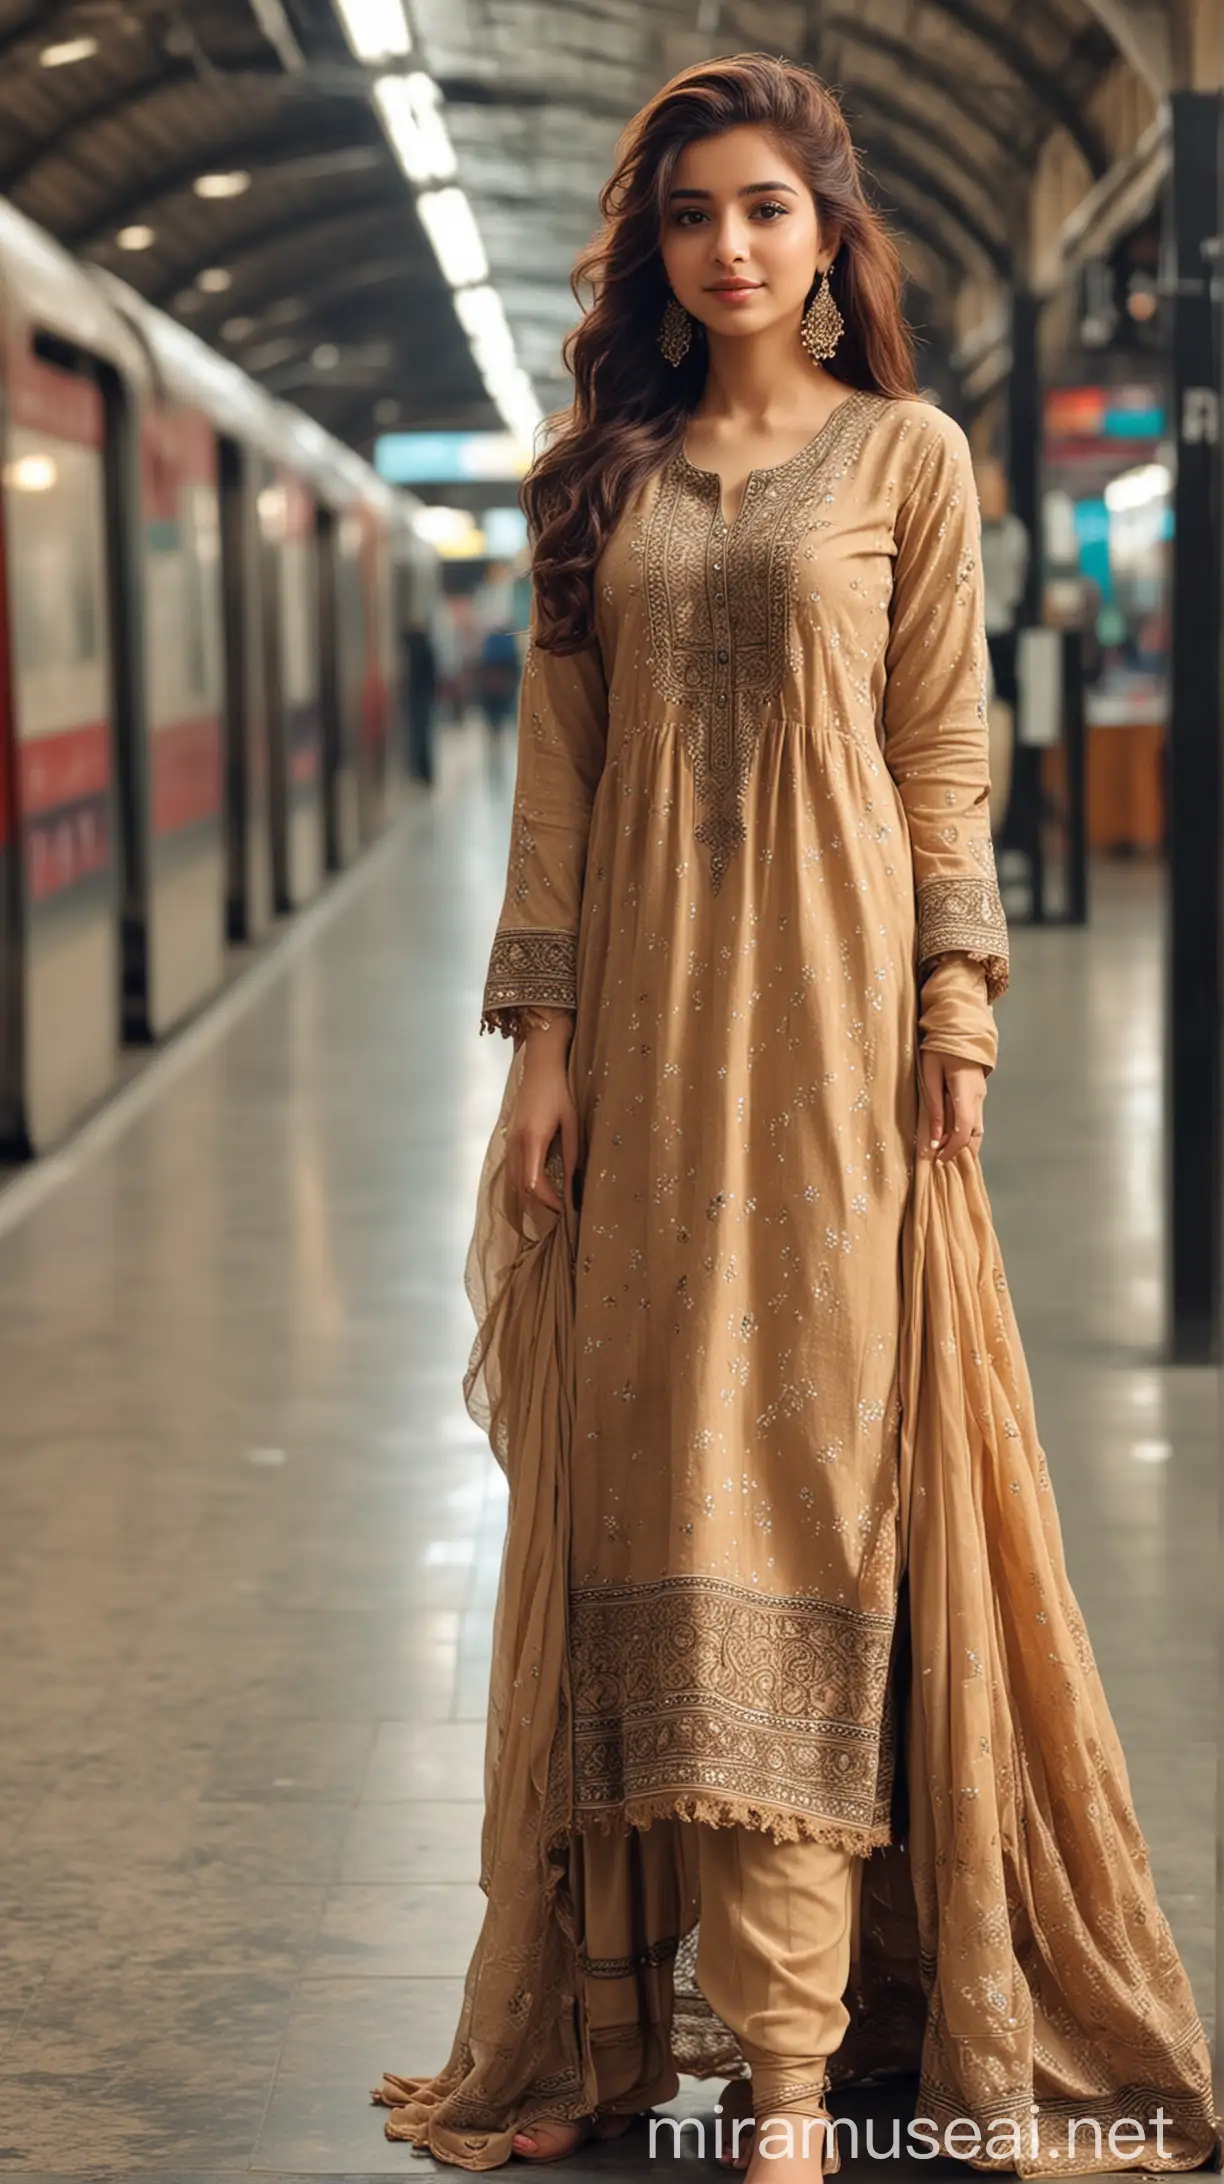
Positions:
(562, 733)
(936, 745)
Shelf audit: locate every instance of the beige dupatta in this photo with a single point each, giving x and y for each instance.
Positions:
(1012, 1946)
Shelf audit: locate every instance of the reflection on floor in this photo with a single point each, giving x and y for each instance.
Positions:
(250, 1539)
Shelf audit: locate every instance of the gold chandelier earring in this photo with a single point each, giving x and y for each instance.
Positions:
(822, 325)
(675, 332)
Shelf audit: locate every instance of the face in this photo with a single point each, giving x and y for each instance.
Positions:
(741, 243)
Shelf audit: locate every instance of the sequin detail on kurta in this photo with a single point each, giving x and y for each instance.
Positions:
(739, 804)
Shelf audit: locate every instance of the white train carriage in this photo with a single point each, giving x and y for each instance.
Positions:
(197, 672)
(72, 378)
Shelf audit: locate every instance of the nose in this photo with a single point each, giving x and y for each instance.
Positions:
(729, 242)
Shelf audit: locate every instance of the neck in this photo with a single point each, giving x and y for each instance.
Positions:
(758, 377)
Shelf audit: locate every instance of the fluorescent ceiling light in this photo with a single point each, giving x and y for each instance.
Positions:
(67, 51)
(237, 329)
(214, 280)
(482, 316)
(234, 184)
(451, 227)
(135, 238)
(326, 357)
(377, 30)
(411, 108)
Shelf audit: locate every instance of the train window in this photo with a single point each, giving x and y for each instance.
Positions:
(57, 576)
(182, 575)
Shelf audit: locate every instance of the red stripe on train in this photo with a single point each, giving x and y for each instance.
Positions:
(185, 764)
(63, 768)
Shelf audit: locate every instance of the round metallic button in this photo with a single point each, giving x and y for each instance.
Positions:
(724, 656)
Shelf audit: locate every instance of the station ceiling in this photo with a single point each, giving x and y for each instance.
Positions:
(315, 273)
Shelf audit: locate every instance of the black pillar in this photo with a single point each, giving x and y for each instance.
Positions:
(1193, 768)
(1024, 439)
(1022, 827)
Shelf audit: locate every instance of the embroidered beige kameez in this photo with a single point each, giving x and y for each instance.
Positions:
(771, 1365)
(742, 820)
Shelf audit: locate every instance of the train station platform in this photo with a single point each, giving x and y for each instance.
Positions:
(253, 1539)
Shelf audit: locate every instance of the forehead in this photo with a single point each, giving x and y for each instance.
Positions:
(734, 161)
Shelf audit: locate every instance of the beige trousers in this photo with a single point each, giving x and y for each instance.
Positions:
(773, 1956)
(777, 1935)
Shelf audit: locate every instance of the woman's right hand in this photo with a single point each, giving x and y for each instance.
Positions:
(542, 1106)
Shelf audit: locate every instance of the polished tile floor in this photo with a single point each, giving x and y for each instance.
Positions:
(249, 1539)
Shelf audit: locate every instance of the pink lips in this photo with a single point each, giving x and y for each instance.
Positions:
(736, 288)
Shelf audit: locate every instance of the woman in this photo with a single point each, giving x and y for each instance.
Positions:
(751, 918)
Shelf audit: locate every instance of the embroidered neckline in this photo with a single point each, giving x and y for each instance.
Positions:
(719, 602)
(773, 471)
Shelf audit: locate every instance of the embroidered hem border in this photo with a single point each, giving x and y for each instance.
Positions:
(711, 1701)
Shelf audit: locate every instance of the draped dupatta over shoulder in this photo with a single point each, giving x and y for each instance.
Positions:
(1013, 1953)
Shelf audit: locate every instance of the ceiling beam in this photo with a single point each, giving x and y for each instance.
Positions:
(277, 29)
(326, 82)
(866, 99)
(1044, 85)
(884, 156)
(255, 154)
(996, 102)
(323, 236)
(1142, 33)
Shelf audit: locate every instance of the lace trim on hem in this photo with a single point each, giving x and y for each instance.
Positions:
(726, 1812)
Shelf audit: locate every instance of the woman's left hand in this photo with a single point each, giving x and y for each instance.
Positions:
(954, 1095)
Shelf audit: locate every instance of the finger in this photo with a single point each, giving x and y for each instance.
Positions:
(539, 1186)
(933, 1099)
(963, 1122)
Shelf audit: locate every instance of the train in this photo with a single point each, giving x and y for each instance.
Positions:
(200, 592)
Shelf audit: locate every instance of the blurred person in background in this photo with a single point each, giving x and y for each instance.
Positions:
(420, 686)
(748, 953)
(499, 654)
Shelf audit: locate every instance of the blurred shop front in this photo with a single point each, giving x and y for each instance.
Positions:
(1108, 522)
(1107, 467)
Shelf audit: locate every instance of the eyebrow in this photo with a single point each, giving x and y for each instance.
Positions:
(750, 189)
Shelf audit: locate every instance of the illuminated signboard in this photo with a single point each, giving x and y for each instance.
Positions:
(448, 458)
(1103, 413)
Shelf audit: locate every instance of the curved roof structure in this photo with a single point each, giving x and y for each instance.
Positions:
(227, 157)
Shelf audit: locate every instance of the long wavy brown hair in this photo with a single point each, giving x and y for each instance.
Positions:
(630, 406)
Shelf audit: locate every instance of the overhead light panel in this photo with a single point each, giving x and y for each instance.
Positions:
(233, 184)
(412, 111)
(451, 227)
(214, 280)
(411, 108)
(136, 238)
(326, 357)
(482, 316)
(68, 50)
(377, 30)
